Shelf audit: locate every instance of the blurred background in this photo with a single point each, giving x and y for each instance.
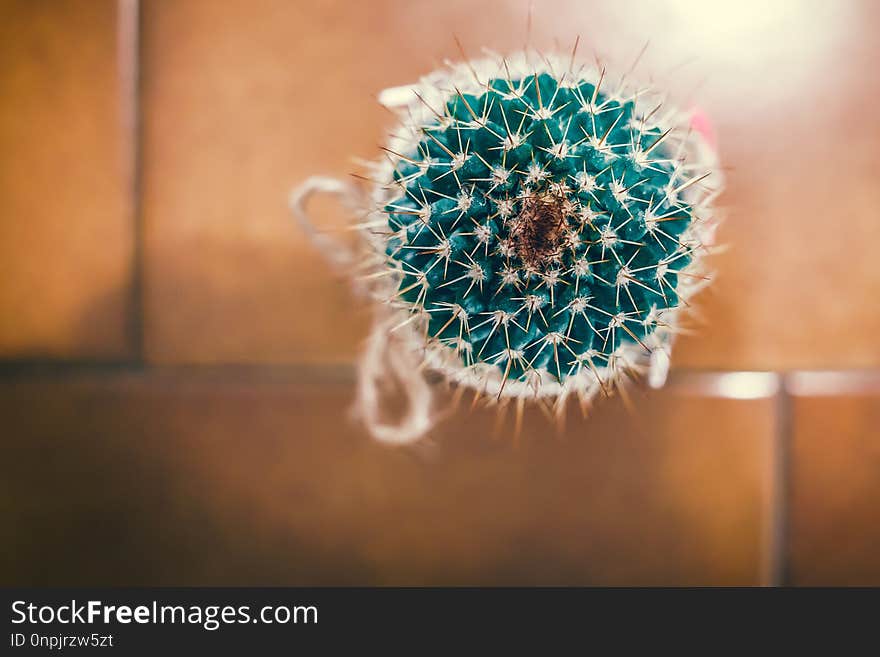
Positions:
(169, 415)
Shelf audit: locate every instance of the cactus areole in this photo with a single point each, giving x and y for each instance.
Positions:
(542, 225)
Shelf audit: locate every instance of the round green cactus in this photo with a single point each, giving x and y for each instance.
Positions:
(541, 226)
(533, 231)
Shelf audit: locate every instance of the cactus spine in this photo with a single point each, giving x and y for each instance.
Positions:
(543, 227)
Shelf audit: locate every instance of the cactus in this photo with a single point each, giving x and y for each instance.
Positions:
(533, 232)
(541, 228)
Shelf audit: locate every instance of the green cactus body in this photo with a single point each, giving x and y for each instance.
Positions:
(539, 227)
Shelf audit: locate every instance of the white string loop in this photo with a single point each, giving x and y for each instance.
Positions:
(386, 357)
(335, 251)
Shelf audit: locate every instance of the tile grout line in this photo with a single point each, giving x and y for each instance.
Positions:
(720, 383)
(778, 552)
(129, 45)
